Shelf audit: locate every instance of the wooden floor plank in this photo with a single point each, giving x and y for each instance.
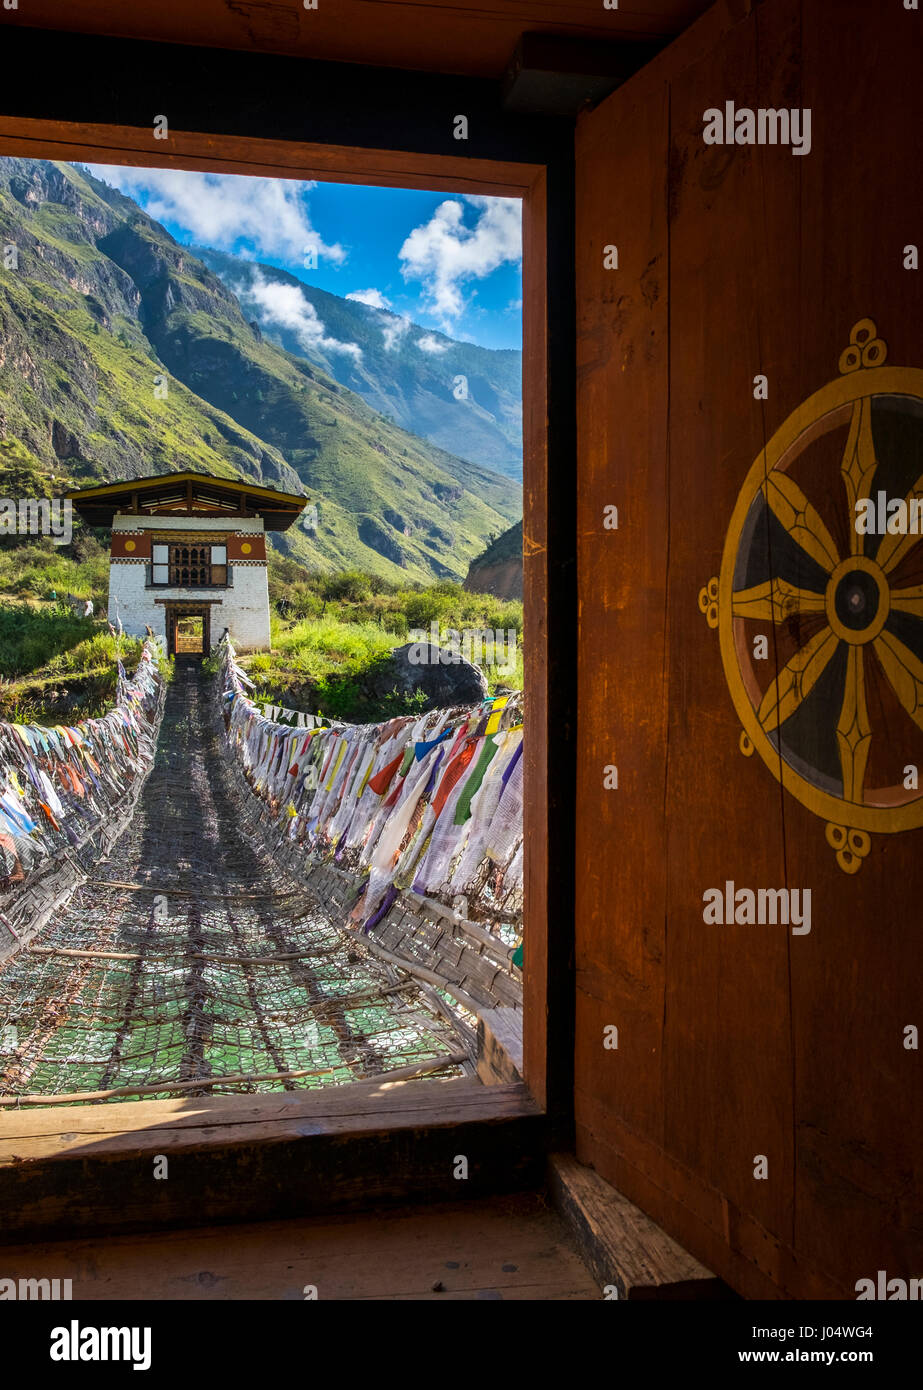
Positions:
(75, 1134)
(513, 1247)
(355, 1099)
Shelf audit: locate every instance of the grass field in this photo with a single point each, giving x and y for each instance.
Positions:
(330, 634)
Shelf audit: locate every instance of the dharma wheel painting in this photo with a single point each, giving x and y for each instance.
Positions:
(819, 603)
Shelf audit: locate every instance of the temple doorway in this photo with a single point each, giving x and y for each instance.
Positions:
(187, 632)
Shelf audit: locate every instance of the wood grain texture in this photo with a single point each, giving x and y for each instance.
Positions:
(726, 1033)
(623, 380)
(129, 145)
(859, 1093)
(537, 651)
(509, 1248)
(742, 1040)
(354, 1102)
(500, 1046)
(622, 1246)
(751, 1260)
(434, 35)
(236, 1158)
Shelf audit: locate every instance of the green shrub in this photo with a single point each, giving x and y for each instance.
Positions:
(348, 584)
(329, 631)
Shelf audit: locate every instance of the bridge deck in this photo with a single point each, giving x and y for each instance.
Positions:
(209, 962)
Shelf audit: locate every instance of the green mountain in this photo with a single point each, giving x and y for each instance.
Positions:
(121, 355)
(407, 373)
(499, 569)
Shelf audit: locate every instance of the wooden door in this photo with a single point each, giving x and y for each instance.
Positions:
(749, 365)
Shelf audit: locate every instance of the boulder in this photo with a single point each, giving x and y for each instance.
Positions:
(444, 678)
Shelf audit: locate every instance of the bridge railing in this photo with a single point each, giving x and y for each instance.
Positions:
(67, 791)
(428, 806)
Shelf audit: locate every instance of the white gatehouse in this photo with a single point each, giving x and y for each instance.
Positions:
(188, 556)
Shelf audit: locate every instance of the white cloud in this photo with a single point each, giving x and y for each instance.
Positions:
(431, 344)
(285, 306)
(444, 254)
(373, 298)
(393, 333)
(221, 209)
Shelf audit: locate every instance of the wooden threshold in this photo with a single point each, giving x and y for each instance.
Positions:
(513, 1247)
(71, 1170)
(625, 1250)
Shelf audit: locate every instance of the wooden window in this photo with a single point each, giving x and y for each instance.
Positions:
(189, 565)
(160, 564)
(219, 564)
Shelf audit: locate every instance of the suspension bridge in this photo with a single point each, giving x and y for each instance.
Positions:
(208, 949)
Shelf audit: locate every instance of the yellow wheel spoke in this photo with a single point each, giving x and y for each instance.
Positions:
(796, 680)
(908, 600)
(893, 545)
(775, 600)
(858, 466)
(854, 732)
(904, 671)
(800, 520)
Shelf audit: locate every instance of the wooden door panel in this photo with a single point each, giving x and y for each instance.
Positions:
(728, 1074)
(859, 1092)
(735, 1041)
(622, 362)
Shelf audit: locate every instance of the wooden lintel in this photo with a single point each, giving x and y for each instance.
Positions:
(188, 602)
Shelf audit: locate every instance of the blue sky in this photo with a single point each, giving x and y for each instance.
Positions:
(450, 262)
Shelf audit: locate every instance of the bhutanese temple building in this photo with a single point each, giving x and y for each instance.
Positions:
(188, 556)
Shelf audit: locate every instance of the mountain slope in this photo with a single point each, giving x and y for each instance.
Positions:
(105, 309)
(499, 569)
(413, 385)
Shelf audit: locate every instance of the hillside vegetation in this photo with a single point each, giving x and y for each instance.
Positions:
(56, 666)
(331, 633)
(105, 312)
(405, 372)
(499, 569)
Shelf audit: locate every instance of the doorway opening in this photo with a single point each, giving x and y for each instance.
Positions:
(447, 174)
(188, 633)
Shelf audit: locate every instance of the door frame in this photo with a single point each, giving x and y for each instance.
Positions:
(179, 609)
(542, 177)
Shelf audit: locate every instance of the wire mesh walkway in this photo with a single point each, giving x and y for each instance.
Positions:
(191, 961)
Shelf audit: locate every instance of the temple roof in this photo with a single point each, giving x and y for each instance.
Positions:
(187, 494)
